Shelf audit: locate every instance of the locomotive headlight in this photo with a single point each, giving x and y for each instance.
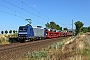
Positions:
(19, 35)
(46, 34)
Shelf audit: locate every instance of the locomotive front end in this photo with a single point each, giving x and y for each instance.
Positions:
(22, 32)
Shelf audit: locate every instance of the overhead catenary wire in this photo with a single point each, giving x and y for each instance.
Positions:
(33, 9)
(12, 14)
(15, 12)
(23, 9)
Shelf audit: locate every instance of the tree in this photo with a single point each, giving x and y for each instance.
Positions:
(47, 25)
(78, 25)
(58, 27)
(14, 31)
(89, 29)
(2, 32)
(65, 29)
(53, 25)
(84, 29)
(6, 32)
(10, 31)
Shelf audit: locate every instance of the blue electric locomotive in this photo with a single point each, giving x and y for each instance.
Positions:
(31, 33)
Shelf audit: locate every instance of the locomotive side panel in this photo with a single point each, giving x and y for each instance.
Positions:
(38, 32)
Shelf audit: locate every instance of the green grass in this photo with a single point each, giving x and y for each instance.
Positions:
(86, 50)
(80, 33)
(86, 43)
(36, 55)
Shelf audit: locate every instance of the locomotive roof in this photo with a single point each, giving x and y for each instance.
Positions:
(25, 26)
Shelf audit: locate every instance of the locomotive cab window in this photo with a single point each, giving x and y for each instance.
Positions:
(24, 29)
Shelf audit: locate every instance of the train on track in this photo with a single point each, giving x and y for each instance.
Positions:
(30, 33)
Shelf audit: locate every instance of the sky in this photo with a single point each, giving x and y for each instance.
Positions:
(14, 12)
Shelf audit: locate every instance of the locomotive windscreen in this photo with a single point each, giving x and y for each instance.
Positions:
(23, 28)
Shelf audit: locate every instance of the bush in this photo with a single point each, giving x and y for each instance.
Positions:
(3, 39)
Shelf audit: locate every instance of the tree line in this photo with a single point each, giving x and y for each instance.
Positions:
(80, 27)
(53, 25)
(10, 31)
(78, 24)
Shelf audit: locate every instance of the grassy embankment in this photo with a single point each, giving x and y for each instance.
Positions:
(4, 38)
(73, 48)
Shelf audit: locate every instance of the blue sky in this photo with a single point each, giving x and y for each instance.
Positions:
(42, 11)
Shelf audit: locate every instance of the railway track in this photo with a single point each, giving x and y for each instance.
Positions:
(16, 51)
